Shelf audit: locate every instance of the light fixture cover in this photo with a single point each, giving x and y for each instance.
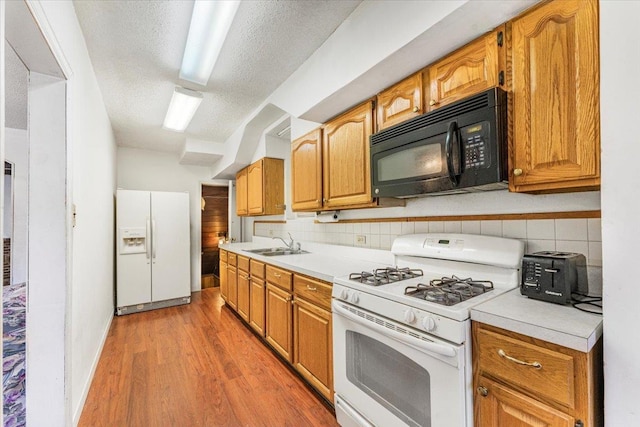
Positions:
(183, 106)
(210, 22)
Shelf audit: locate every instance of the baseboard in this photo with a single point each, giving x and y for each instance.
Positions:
(85, 392)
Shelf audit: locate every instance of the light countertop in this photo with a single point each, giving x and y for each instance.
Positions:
(555, 323)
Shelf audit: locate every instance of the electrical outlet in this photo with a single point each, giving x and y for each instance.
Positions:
(360, 239)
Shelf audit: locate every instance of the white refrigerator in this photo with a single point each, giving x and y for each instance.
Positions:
(153, 243)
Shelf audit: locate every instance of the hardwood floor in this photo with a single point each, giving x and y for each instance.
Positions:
(195, 365)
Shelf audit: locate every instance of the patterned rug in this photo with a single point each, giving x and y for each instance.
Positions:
(13, 354)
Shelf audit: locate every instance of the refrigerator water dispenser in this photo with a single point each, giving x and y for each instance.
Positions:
(133, 240)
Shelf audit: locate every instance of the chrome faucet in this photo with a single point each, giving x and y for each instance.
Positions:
(292, 245)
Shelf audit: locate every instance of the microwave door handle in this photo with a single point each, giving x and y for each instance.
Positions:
(448, 146)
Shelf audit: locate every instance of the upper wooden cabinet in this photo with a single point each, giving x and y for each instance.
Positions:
(471, 69)
(346, 163)
(556, 100)
(306, 172)
(400, 102)
(253, 195)
(241, 193)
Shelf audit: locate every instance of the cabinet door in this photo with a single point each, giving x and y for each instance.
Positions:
(400, 102)
(255, 190)
(498, 406)
(313, 345)
(345, 156)
(256, 309)
(241, 193)
(243, 295)
(278, 321)
(469, 70)
(556, 100)
(232, 281)
(306, 172)
(224, 285)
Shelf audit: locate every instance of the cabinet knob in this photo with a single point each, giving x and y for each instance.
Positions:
(517, 172)
(482, 391)
(324, 200)
(433, 102)
(416, 109)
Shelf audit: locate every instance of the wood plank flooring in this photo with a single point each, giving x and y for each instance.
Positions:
(195, 365)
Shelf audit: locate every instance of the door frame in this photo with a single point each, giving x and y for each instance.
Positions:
(49, 324)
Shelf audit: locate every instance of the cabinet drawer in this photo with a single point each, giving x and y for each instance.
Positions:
(257, 269)
(223, 255)
(554, 379)
(279, 277)
(243, 263)
(313, 291)
(232, 259)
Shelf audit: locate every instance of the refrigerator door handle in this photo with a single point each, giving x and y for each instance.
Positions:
(153, 238)
(148, 238)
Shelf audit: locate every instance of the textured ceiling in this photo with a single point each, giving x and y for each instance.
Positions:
(136, 49)
(16, 84)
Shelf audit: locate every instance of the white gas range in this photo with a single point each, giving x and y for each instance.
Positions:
(401, 337)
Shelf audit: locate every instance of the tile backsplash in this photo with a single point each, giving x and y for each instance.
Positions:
(580, 235)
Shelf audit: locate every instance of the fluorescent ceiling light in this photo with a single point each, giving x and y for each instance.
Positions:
(210, 23)
(183, 106)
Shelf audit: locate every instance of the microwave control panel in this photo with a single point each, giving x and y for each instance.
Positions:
(476, 148)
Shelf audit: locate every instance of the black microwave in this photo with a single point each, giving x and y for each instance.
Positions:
(461, 147)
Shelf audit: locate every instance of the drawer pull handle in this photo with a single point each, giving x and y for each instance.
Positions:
(276, 275)
(312, 288)
(536, 365)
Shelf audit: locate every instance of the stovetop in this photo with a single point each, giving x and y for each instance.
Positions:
(386, 275)
(449, 290)
(425, 292)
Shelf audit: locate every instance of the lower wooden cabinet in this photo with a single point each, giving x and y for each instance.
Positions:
(500, 406)
(243, 308)
(224, 285)
(278, 321)
(291, 312)
(232, 287)
(523, 381)
(257, 297)
(312, 340)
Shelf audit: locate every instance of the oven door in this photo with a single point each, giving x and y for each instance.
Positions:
(388, 375)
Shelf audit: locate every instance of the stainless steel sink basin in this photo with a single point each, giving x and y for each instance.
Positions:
(275, 251)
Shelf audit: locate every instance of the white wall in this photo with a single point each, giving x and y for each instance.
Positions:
(159, 171)
(17, 152)
(620, 64)
(91, 162)
(47, 292)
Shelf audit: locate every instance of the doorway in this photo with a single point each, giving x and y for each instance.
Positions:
(215, 228)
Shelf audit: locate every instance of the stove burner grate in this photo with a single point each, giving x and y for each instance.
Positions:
(383, 276)
(449, 290)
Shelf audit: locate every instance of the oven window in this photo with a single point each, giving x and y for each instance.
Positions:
(390, 378)
(417, 161)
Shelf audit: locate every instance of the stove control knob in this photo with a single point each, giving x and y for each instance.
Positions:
(429, 324)
(409, 316)
(344, 295)
(355, 298)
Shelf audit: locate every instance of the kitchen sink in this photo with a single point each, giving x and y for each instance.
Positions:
(276, 251)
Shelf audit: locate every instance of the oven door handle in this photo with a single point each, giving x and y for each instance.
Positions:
(441, 349)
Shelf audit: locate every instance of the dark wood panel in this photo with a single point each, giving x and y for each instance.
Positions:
(215, 217)
(195, 365)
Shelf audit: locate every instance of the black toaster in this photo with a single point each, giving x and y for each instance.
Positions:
(553, 276)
